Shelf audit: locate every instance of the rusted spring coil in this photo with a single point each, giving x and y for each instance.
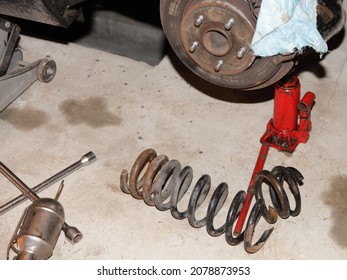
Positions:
(164, 184)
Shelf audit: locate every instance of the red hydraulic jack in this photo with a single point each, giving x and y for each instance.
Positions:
(290, 126)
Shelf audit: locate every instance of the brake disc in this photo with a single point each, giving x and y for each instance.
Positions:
(213, 38)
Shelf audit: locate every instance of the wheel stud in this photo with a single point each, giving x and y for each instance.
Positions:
(219, 65)
(199, 21)
(241, 52)
(193, 47)
(229, 24)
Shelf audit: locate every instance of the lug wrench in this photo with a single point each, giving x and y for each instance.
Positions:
(87, 159)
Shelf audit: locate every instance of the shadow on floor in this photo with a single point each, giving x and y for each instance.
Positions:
(121, 27)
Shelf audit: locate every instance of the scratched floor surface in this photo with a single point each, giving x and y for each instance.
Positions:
(118, 107)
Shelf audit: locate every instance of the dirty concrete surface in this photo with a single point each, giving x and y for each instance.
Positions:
(117, 107)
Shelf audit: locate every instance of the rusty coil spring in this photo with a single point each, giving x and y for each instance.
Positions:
(164, 184)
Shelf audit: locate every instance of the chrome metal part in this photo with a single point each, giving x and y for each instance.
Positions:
(199, 21)
(39, 228)
(85, 160)
(219, 65)
(229, 24)
(194, 46)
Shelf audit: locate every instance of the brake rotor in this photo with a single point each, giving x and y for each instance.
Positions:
(212, 38)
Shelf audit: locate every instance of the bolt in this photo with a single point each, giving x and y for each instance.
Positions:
(7, 24)
(276, 140)
(284, 144)
(194, 46)
(219, 65)
(229, 24)
(241, 52)
(199, 20)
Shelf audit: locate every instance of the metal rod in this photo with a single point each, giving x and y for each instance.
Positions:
(32, 194)
(258, 167)
(27, 192)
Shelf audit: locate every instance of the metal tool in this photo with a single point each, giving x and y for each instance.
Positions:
(85, 160)
(41, 223)
(290, 126)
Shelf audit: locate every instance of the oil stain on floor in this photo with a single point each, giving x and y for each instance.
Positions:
(336, 199)
(92, 112)
(25, 119)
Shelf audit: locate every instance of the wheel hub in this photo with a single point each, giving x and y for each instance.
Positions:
(216, 35)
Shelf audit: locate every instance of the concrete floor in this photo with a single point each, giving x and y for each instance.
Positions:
(117, 107)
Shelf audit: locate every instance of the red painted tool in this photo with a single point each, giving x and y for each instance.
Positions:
(290, 126)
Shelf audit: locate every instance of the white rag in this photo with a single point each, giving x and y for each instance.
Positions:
(285, 26)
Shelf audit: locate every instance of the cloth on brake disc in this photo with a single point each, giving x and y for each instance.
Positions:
(287, 26)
